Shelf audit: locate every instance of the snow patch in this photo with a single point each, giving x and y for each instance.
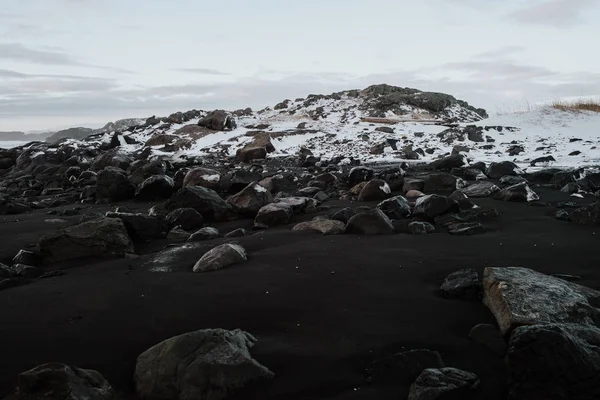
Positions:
(260, 189)
(211, 178)
(385, 188)
(531, 195)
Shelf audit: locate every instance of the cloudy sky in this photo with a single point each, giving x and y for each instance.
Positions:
(85, 62)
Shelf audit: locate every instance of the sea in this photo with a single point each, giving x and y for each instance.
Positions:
(9, 144)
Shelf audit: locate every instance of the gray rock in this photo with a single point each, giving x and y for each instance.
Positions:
(187, 218)
(466, 228)
(101, 236)
(395, 208)
(360, 174)
(6, 272)
(445, 383)
(434, 205)
(449, 162)
(518, 192)
(413, 184)
(562, 215)
(344, 215)
(521, 296)
(324, 226)
(207, 233)
(206, 364)
(239, 232)
(298, 205)
(375, 190)
(26, 257)
(206, 201)
(403, 367)
(480, 189)
(440, 182)
(274, 214)
(113, 185)
(54, 381)
(554, 361)
(489, 336)
(250, 200)
(218, 120)
(462, 284)
(373, 222)
(220, 257)
(512, 180)
(27, 271)
(420, 228)
(498, 170)
(587, 215)
(208, 178)
(141, 226)
(177, 234)
(154, 188)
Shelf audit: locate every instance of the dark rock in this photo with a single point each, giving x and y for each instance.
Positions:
(220, 257)
(141, 226)
(489, 336)
(440, 182)
(554, 361)
(187, 218)
(324, 226)
(373, 222)
(473, 174)
(449, 162)
(480, 189)
(205, 177)
(561, 178)
(274, 214)
(385, 129)
(515, 150)
(178, 235)
(102, 236)
(242, 178)
(344, 215)
(6, 271)
(413, 184)
(27, 271)
(587, 215)
(26, 257)
(395, 208)
(250, 200)
(434, 205)
(462, 284)
(466, 228)
(248, 154)
(575, 153)
(518, 192)
(520, 296)
(498, 170)
(445, 383)
(207, 233)
(420, 228)
(542, 160)
(54, 381)
(218, 120)
(474, 133)
(375, 190)
(512, 180)
(239, 232)
(360, 174)
(570, 188)
(113, 185)
(206, 201)
(154, 188)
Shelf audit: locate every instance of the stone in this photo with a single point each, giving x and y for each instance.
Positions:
(242, 178)
(248, 154)
(480, 189)
(220, 257)
(587, 215)
(6, 272)
(324, 226)
(360, 174)
(55, 381)
(344, 215)
(413, 184)
(449, 162)
(434, 205)
(521, 296)
(101, 236)
(218, 120)
(414, 194)
(26, 257)
(113, 185)
(554, 361)
(420, 228)
(395, 208)
(186, 218)
(204, 177)
(274, 214)
(445, 383)
(375, 190)
(519, 192)
(498, 170)
(489, 336)
(440, 182)
(239, 232)
(373, 222)
(512, 180)
(466, 228)
(27, 271)
(178, 234)
(250, 200)
(205, 364)
(298, 204)
(141, 226)
(542, 160)
(562, 215)
(156, 187)
(207, 233)
(462, 284)
(403, 367)
(206, 201)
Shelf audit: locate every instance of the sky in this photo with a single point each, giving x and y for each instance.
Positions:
(66, 63)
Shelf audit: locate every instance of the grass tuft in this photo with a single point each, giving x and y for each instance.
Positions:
(577, 105)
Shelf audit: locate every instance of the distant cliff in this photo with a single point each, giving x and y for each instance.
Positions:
(23, 137)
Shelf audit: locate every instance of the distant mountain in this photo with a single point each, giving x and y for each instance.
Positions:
(22, 136)
(81, 133)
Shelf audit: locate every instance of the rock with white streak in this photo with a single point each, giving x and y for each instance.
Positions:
(220, 257)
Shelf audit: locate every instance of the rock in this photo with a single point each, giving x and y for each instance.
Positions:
(360, 174)
(206, 201)
(433, 205)
(101, 236)
(154, 188)
(515, 150)
(413, 184)
(512, 180)
(571, 187)
(420, 228)
(414, 194)
(449, 162)
(403, 367)
(250, 200)
(6, 272)
(242, 178)
(247, 154)
(299, 205)
(542, 160)
(384, 129)
(186, 218)
(474, 133)
(373, 222)
(518, 192)
(521, 296)
(480, 189)
(561, 178)
(489, 336)
(445, 383)
(113, 185)
(205, 177)
(466, 228)
(462, 284)
(54, 381)
(27, 271)
(141, 226)
(178, 235)
(587, 215)
(26, 257)
(474, 174)
(562, 215)
(207, 233)
(395, 208)
(218, 120)
(439, 182)
(325, 226)
(220, 257)
(554, 361)
(239, 232)
(498, 170)
(274, 214)
(344, 215)
(206, 364)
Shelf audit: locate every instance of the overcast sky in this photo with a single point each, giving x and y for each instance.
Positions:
(86, 62)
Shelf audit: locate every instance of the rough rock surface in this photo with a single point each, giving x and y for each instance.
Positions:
(434, 205)
(250, 200)
(480, 189)
(220, 257)
(521, 296)
(274, 214)
(587, 215)
(325, 226)
(375, 190)
(444, 383)
(395, 208)
(206, 201)
(206, 364)
(464, 283)
(373, 222)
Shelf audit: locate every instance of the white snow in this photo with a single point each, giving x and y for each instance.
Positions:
(385, 188)
(211, 178)
(531, 195)
(260, 189)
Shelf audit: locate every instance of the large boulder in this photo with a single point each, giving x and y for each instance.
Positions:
(521, 296)
(395, 208)
(449, 162)
(186, 218)
(324, 226)
(274, 214)
(113, 185)
(445, 383)
(250, 153)
(463, 284)
(587, 215)
(375, 190)
(205, 177)
(141, 226)
(498, 170)
(554, 361)
(218, 120)
(102, 236)
(206, 201)
(360, 174)
(434, 205)
(480, 189)
(519, 192)
(250, 200)
(155, 187)
(373, 222)
(207, 364)
(55, 381)
(220, 257)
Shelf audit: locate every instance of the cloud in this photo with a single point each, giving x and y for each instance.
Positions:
(553, 13)
(501, 52)
(18, 52)
(504, 70)
(203, 71)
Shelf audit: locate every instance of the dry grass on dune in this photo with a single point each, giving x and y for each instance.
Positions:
(578, 105)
